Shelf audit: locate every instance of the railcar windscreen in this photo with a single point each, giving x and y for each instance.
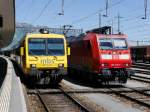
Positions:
(56, 47)
(50, 46)
(37, 47)
(112, 43)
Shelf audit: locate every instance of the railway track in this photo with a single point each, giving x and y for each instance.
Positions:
(57, 100)
(141, 78)
(60, 99)
(141, 65)
(137, 95)
(142, 69)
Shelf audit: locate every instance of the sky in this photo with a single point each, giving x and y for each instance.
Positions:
(85, 14)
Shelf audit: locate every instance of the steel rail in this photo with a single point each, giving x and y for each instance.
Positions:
(142, 66)
(136, 100)
(143, 72)
(42, 101)
(139, 79)
(139, 91)
(83, 107)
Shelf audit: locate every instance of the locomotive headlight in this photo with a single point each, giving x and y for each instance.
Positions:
(60, 65)
(33, 65)
(126, 64)
(103, 65)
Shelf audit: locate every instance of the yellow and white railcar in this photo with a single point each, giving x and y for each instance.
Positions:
(44, 56)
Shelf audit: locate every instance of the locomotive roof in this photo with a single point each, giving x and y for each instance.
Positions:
(45, 35)
(111, 35)
(90, 35)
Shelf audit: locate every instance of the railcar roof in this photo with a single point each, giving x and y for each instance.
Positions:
(45, 35)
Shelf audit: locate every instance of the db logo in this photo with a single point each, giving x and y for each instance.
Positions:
(115, 57)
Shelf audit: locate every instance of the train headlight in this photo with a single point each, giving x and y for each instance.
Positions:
(104, 64)
(126, 64)
(44, 31)
(33, 65)
(60, 65)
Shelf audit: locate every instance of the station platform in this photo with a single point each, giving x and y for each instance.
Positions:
(11, 92)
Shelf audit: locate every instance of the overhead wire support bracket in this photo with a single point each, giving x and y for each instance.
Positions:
(145, 9)
(66, 28)
(62, 8)
(119, 17)
(106, 15)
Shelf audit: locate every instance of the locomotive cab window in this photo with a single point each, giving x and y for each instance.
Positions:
(120, 44)
(115, 43)
(105, 44)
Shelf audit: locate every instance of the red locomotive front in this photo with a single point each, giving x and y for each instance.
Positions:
(101, 57)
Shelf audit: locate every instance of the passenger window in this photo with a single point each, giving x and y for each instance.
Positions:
(1, 21)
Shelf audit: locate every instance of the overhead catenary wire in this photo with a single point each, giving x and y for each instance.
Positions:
(42, 11)
(96, 12)
(125, 19)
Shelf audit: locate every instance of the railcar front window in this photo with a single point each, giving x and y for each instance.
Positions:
(106, 44)
(55, 46)
(37, 47)
(120, 44)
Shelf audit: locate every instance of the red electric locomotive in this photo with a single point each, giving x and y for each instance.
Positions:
(101, 56)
